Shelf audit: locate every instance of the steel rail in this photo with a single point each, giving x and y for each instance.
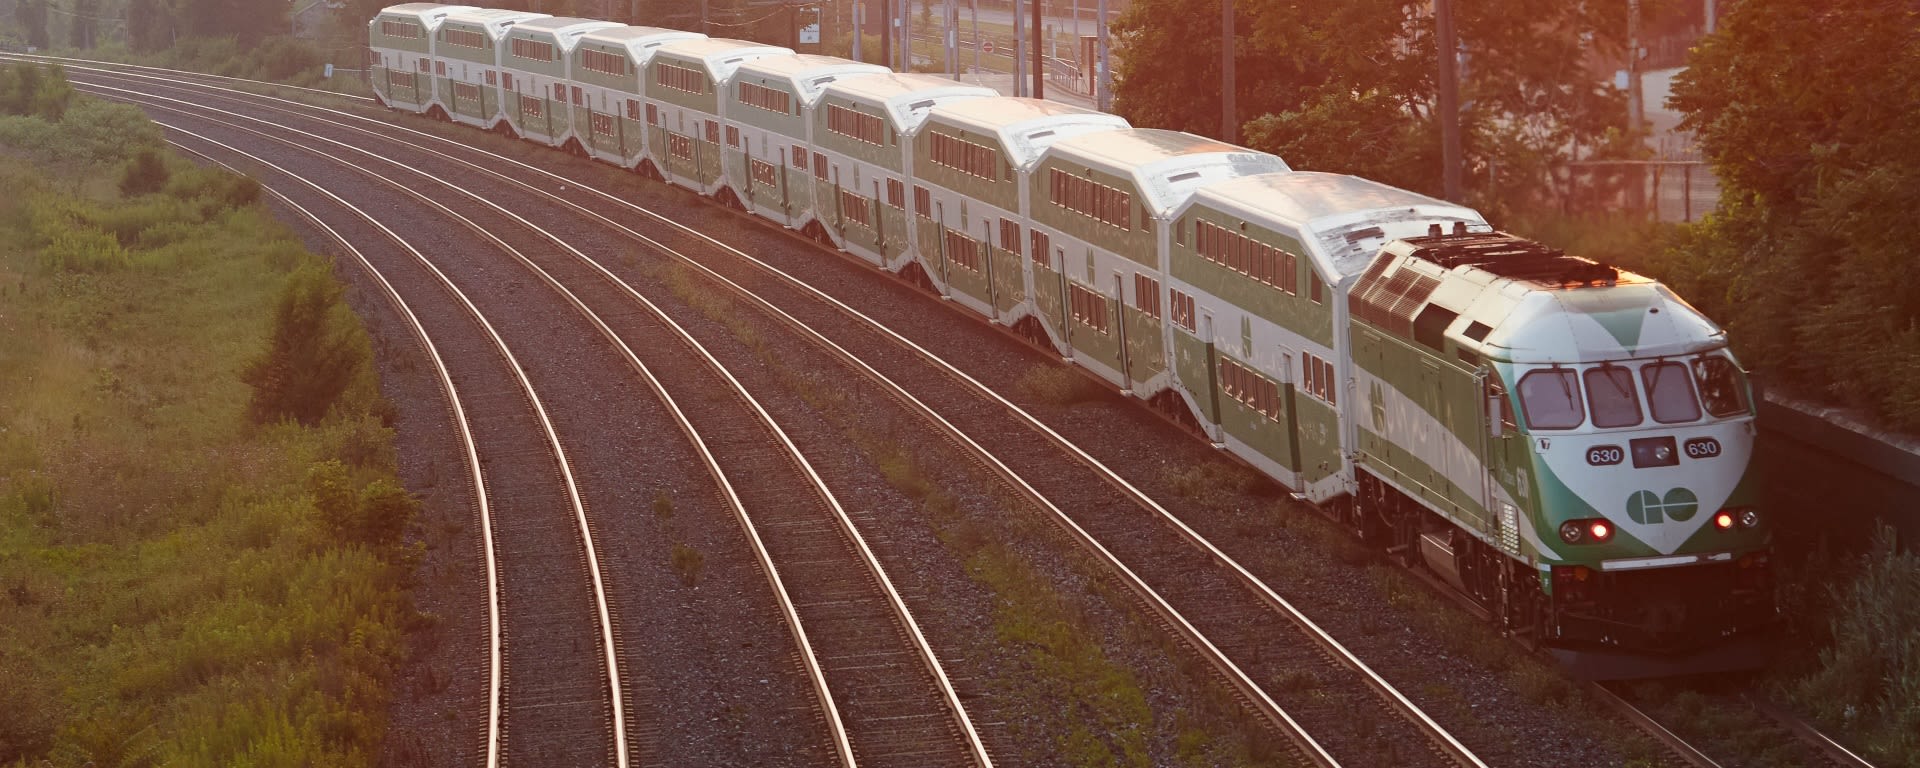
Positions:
(1828, 748)
(1441, 739)
(495, 728)
(1672, 741)
(975, 746)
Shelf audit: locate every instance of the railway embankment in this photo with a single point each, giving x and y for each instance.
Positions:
(198, 503)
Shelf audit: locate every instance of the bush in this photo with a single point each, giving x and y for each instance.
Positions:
(1869, 679)
(27, 90)
(145, 174)
(315, 353)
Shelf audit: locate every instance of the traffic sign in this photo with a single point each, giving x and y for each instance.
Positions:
(986, 46)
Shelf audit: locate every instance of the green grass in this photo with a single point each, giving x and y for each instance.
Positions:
(171, 592)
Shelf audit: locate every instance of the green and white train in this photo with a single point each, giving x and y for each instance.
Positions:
(1565, 443)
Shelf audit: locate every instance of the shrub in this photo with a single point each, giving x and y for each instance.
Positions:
(687, 562)
(27, 90)
(145, 174)
(316, 351)
(1870, 677)
(376, 515)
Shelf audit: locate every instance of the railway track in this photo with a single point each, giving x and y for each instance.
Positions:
(1784, 738)
(1227, 606)
(874, 678)
(543, 704)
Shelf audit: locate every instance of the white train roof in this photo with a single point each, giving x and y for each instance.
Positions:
(1346, 218)
(639, 42)
(906, 99)
(721, 56)
(1533, 304)
(428, 14)
(1167, 165)
(808, 74)
(564, 29)
(1026, 127)
(494, 20)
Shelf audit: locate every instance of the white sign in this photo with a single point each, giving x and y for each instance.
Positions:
(329, 72)
(810, 33)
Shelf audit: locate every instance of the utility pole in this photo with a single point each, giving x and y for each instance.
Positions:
(1636, 108)
(1105, 73)
(1039, 52)
(906, 35)
(951, 19)
(886, 33)
(973, 12)
(1019, 49)
(859, 30)
(1229, 127)
(1449, 105)
(703, 17)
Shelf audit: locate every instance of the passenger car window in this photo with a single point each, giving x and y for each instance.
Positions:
(1721, 386)
(1669, 393)
(1611, 395)
(1551, 399)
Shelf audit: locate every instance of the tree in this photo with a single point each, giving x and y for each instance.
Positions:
(150, 25)
(1809, 116)
(247, 21)
(32, 14)
(80, 35)
(1349, 85)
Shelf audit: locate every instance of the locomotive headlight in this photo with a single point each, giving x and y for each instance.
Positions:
(1749, 518)
(1663, 454)
(1723, 520)
(1593, 531)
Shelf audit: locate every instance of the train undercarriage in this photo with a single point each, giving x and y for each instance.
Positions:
(1694, 619)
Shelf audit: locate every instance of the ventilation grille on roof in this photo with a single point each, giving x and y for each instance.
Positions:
(1184, 176)
(1390, 303)
(920, 105)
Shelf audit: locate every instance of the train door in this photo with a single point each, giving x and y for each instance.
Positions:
(1213, 379)
(1289, 391)
(940, 218)
(1120, 320)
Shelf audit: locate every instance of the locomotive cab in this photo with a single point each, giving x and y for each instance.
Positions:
(1622, 524)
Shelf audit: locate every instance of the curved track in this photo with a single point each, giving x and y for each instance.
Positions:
(545, 706)
(845, 595)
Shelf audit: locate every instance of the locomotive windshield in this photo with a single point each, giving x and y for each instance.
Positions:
(1611, 395)
(1551, 399)
(1670, 392)
(1606, 395)
(1720, 386)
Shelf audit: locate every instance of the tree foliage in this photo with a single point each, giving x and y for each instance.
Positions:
(316, 352)
(1810, 115)
(150, 25)
(32, 14)
(1350, 85)
(28, 91)
(84, 23)
(247, 21)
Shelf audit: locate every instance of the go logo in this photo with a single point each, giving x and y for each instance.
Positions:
(1648, 509)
